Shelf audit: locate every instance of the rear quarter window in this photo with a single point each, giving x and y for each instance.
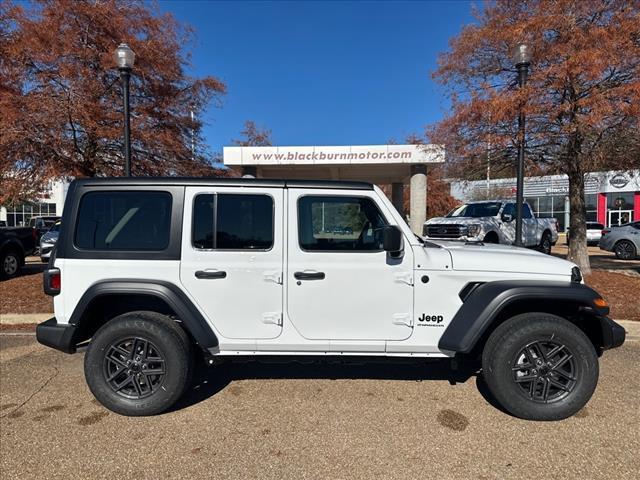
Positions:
(124, 221)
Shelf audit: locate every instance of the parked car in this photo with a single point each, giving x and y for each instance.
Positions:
(594, 232)
(42, 224)
(624, 240)
(493, 221)
(48, 241)
(15, 244)
(151, 270)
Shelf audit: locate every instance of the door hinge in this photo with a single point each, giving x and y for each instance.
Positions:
(403, 319)
(273, 276)
(404, 277)
(272, 318)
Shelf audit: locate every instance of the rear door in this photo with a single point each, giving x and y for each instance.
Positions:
(341, 284)
(232, 258)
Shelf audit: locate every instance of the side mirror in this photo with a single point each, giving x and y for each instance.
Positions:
(506, 217)
(392, 240)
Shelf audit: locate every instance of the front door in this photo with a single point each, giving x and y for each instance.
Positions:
(232, 257)
(620, 217)
(341, 284)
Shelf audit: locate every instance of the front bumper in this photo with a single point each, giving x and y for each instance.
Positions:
(613, 335)
(58, 336)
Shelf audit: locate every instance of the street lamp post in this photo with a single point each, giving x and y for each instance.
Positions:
(522, 60)
(125, 59)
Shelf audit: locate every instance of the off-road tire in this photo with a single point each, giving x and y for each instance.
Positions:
(152, 394)
(10, 263)
(503, 361)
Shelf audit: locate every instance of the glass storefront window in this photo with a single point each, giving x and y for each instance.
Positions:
(545, 204)
(626, 200)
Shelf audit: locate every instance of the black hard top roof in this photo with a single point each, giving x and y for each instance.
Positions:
(223, 182)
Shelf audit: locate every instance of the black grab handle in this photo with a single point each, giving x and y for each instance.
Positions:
(205, 274)
(309, 275)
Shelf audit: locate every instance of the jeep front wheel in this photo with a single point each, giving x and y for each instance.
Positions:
(138, 363)
(540, 366)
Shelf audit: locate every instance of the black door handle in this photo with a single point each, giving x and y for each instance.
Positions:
(309, 275)
(202, 274)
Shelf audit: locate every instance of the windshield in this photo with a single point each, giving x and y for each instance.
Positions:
(55, 228)
(475, 210)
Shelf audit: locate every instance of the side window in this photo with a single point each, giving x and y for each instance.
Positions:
(338, 223)
(232, 222)
(510, 209)
(526, 211)
(134, 221)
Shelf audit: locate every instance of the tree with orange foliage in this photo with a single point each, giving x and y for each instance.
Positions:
(582, 98)
(253, 136)
(61, 98)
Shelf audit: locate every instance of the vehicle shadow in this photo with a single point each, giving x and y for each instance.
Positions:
(210, 380)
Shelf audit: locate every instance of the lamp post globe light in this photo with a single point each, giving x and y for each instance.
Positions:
(125, 58)
(522, 60)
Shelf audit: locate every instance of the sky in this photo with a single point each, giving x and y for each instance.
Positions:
(322, 73)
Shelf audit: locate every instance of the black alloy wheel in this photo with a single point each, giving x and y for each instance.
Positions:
(545, 371)
(134, 367)
(625, 250)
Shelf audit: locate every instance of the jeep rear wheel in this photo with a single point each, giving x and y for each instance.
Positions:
(138, 363)
(540, 366)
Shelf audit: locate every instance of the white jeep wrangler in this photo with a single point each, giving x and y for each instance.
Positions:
(149, 271)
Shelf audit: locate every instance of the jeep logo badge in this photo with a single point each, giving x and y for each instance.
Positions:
(431, 318)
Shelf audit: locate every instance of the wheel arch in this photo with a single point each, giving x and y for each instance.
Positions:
(492, 234)
(106, 300)
(490, 304)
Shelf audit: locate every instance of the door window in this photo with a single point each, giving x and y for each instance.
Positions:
(339, 223)
(232, 222)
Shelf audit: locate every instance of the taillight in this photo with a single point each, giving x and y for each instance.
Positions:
(604, 232)
(34, 234)
(52, 281)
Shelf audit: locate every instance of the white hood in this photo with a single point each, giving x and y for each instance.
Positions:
(504, 258)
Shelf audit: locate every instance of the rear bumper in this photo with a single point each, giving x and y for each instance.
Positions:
(55, 335)
(613, 335)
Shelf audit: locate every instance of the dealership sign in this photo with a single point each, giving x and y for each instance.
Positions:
(333, 155)
(619, 180)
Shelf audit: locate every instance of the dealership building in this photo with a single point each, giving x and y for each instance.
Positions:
(49, 205)
(612, 198)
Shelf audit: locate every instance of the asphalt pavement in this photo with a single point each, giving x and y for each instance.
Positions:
(386, 419)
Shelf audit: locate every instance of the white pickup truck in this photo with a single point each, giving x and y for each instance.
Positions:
(493, 221)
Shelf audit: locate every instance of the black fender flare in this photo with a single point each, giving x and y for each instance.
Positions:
(485, 302)
(169, 293)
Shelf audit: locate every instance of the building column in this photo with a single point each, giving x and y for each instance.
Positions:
(418, 202)
(602, 209)
(397, 197)
(250, 170)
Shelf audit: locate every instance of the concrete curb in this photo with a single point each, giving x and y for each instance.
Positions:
(21, 319)
(632, 328)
